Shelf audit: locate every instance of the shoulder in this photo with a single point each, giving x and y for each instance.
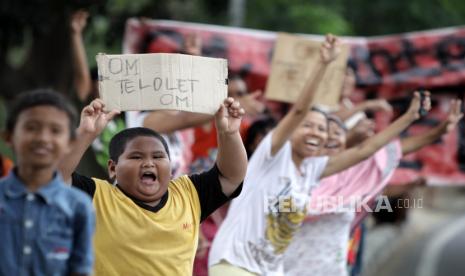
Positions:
(182, 183)
(69, 201)
(263, 152)
(183, 187)
(6, 179)
(101, 183)
(75, 197)
(316, 165)
(388, 158)
(317, 161)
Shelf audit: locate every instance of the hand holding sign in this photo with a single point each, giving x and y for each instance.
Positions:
(330, 49)
(162, 81)
(94, 119)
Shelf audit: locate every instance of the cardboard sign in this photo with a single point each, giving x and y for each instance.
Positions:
(162, 81)
(293, 60)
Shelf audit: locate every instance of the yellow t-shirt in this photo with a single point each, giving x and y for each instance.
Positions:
(131, 240)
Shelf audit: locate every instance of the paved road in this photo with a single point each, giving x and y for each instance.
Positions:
(432, 244)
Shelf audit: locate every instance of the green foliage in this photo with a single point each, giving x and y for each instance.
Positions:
(317, 19)
(22, 19)
(379, 17)
(297, 16)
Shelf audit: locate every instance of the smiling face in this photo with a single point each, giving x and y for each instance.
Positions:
(336, 139)
(143, 169)
(41, 137)
(310, 136)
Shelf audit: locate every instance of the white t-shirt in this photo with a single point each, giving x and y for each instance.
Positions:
(263, 219)
(320, 247)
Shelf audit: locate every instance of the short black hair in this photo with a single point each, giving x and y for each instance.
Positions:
(322, 112)
(319, 110)
(42, 97)
(338, 121)
(259, 127)
(119, 141)
(234, 76)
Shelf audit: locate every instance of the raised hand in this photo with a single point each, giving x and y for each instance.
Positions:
(228, 117)
(454, 116)
(330, 49)
(94, 119)
(252, 106)
(193, 45)
(413, 111)
(79, 21)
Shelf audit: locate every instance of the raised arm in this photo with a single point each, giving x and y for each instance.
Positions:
(232, 157)
(93, 121)
(368, 105)
(328, 52)
(359, 153)
(414, 143)
(164, 121)
(82, 80)
(192, 45)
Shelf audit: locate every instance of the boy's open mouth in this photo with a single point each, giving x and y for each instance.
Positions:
(148, 177)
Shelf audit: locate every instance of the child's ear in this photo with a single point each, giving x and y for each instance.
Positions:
(111, 169)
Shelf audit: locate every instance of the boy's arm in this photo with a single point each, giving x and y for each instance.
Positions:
(328, 52)
(93, 121)
(414, 143)
(232, 157)
(359, 153)
(164, 121)
(82, 80)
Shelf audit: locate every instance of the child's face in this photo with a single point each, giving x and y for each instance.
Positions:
(310, 136)
(41, 137)
(143, 170)
(336, 139)
(237, 88)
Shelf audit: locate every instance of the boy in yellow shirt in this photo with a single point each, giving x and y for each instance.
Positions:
(148, 223)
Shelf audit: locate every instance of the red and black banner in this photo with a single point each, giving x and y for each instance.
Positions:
(389, 67)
